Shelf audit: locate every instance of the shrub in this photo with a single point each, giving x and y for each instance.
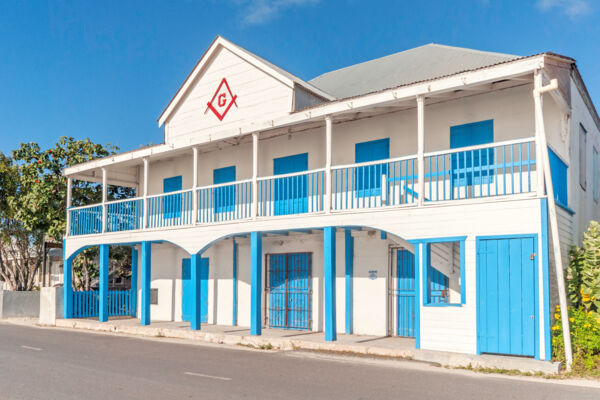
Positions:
(585, 338)
(583, 275)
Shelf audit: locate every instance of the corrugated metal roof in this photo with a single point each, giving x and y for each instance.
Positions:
(414, 65)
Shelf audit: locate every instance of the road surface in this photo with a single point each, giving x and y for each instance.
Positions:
(64, 364)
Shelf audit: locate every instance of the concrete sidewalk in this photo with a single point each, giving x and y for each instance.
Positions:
(285, 340)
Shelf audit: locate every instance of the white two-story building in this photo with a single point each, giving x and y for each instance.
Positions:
(402, 196)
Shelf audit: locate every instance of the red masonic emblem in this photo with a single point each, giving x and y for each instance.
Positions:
(224, 100)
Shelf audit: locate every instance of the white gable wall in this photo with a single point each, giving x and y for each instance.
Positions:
(260, 97)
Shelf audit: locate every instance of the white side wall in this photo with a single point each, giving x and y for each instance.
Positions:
(258, 94)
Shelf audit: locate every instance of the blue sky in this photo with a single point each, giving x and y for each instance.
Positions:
(106, 70)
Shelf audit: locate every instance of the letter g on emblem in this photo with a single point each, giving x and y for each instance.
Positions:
(225, 99)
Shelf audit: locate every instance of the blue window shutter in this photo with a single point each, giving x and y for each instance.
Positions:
(224, 175)
(558, 171)
(472, 134)
(171, 205)
(224, 197)
(172, 184)
(368, 178)
(291, 193)
(290, 164)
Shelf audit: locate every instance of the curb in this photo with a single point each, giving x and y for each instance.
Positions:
(448, 359)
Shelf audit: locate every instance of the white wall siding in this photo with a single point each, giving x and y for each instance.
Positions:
(258, 94)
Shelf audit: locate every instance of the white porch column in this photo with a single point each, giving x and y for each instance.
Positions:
(145, 194)
(328, 124)
(254, 208)
(538, 90)
(195, 186)
(539, 164)
(69, 202)
(421, 148)
(104, 197)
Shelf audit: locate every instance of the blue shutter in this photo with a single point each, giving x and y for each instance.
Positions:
(468, 167)
(291, 193)
(368, 178)
(171, 205)
(558, 171)
(224, 197)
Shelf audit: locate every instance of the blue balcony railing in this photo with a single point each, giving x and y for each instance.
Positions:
(225, 202)
(374, 184)
(85, 220)
(496, 169)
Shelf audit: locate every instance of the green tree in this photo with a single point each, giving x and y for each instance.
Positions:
(33, 195)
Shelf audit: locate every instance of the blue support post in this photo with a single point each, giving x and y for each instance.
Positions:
(255, 283)
(195, 265)
(235, 284)
(349, 259)
(134, 281)
(103, 284)
(67, 286)
(145, 283)
(329, 282)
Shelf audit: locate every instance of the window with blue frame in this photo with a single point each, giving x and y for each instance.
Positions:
(224, 196)
(291, 193)
(475, 166)
(558, 172)
(171, 204)
(368, 178)
(444, 272)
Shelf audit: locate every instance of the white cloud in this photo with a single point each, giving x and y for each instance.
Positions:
(260, 11)
(573, 8)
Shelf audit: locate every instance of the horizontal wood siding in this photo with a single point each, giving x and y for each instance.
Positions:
(259, 97)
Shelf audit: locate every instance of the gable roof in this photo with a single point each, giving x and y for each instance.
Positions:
(409, 66)
(258, 62)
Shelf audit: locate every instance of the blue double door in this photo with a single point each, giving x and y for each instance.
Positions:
(290, 290)
(507, 294)
(187, 289)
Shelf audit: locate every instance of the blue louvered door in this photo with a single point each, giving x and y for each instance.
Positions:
(405, 293)
(506, 295)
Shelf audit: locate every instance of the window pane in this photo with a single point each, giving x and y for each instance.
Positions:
(443, 273)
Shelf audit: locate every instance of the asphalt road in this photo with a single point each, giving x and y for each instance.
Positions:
(61, 364)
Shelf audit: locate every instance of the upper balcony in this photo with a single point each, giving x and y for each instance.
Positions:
(500, 169)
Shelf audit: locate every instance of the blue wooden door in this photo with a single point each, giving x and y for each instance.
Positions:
(290, 293)
(291, 193)
(187, 289)
(405, 294)
(507, 295)
(224, 197)
(368, 178)
(171, 204)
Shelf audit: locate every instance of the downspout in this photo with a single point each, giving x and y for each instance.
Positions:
(538, 90)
